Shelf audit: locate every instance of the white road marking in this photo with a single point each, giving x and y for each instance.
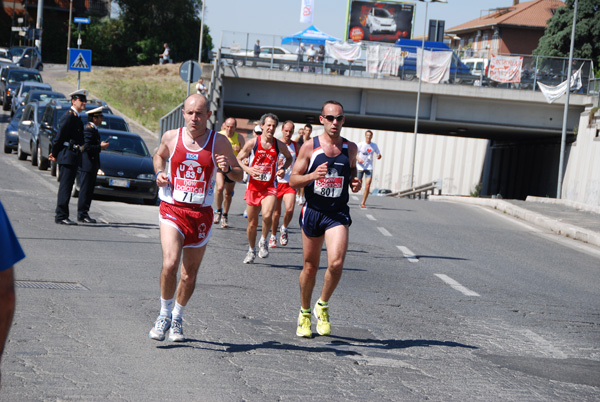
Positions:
(371, 217)
(545, 345)
(408, 254)
(354, 198)
(457, 286)
(384, 231)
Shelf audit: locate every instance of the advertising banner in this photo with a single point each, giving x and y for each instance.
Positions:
(379, 21)
(506, 68)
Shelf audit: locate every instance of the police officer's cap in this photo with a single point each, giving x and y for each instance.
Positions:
(95, 112)
(79, 94)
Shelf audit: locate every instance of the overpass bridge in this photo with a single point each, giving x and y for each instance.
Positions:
(389, 104)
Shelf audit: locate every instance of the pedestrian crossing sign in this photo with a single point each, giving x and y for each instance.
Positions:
(80, 59)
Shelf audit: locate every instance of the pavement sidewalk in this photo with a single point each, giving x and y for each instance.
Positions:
(575, 220)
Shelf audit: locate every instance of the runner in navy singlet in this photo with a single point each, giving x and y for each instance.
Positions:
(325, 167)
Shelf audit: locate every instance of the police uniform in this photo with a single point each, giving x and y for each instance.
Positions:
(90, 163)
(66, 148)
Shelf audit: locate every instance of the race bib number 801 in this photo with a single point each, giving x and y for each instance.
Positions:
(329, 187)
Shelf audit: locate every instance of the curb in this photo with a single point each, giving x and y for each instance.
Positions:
(554, 225)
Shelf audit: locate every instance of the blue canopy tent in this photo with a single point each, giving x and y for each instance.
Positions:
(310, 35)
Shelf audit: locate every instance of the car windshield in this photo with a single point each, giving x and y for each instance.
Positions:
(382, 13)
(110, 122)
(16, 51)
(45, 97)
(18, 113)
(20, 76)
(125, 145)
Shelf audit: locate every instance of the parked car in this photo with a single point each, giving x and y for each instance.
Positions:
(110, 121)
(478, 66)
(42, 96)
(126, 169)
(11, 135)
(4, 53)
(28, 132)
(10, 80)
(280, 56)
(23, 90)
(54, 111)
(379, 20)
(28, 57)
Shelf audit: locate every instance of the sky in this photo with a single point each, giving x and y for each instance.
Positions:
(282, 17)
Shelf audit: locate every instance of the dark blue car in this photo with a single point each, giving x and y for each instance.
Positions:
(11, 135)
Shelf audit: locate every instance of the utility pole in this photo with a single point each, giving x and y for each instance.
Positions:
(69, 34)
(38, 25)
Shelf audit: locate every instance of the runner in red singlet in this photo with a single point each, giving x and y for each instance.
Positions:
(186, 164)
(261, 192)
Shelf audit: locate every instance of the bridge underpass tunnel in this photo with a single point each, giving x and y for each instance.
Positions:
(515, 169)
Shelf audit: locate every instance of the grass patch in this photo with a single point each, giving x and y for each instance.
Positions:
(143, 93)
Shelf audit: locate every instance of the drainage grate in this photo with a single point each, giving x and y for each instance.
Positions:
(50, 285)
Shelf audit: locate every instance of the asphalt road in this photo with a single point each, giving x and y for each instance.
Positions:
(438, 301)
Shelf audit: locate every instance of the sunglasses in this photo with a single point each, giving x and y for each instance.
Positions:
(330, 117)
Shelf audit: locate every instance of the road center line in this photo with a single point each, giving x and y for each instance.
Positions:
(370, 217)
(384, 231)
(457, 286)
(408, 254)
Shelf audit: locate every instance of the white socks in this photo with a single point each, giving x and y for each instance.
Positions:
(177, 311)
(166, 306)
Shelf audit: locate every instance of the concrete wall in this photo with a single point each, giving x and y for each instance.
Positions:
(456, 160)
(581, 182)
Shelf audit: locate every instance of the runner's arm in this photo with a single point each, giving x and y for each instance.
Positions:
(299, 178)
(159, 160)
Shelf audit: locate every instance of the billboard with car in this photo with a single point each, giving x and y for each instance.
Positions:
(379, 21)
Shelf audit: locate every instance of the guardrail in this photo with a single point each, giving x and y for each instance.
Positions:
(419, 191)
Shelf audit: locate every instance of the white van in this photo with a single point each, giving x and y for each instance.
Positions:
(478, 66)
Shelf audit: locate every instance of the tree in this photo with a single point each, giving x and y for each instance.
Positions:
(150, 23)
(556, 40)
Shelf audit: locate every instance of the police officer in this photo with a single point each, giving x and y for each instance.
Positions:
(66, 151)
(90, 163)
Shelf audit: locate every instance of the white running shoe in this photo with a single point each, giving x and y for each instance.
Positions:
(162, 324)
(250, 256)
(176, 331)
(283, 236)
(263, 251)
(273, 241)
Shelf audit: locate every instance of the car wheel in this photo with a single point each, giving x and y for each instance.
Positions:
(20, 154)
(40, 67)
(57, 172)
(7, 149)
(34, 155)
(5, 105)
(42, 162)
(53, 168)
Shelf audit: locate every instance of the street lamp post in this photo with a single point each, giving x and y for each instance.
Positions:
(565, 113)
(414, 150)
(201, 34)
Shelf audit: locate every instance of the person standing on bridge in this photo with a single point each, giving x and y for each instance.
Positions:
(262, 153)
(326, 168)
(185, 164)
(366, 150)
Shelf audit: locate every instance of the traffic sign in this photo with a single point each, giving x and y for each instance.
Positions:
(79, 20)
(80, 60)
(187, 75)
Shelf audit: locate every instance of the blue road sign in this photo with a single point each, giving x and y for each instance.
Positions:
(80, 60)
(79, 20)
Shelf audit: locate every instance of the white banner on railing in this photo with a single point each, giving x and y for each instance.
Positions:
(552, 93)
(506, 68)
(307, 10)
(343, 50)
(436, 65)
(384, 59)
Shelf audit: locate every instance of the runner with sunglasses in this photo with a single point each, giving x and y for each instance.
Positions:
(325, 168)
